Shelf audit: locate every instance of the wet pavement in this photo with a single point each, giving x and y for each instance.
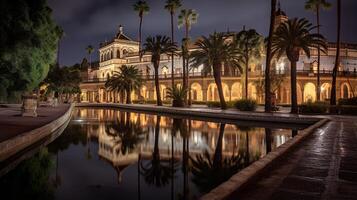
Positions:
(322, 167)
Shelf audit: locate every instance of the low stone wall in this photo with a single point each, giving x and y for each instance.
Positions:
(12, 146)
(249, 174)
(211, 113)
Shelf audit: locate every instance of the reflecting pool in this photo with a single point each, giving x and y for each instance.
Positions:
(107, 154)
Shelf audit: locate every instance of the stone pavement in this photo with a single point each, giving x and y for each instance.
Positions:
(13, 124)
(322, 167)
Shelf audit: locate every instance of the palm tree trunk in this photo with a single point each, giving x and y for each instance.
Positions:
(140, 26)
(318, 89)
(172, 54)
(268, 58)
(128, 96)
(294, 107)
(184, 83)
(246, 77)
(187, 67)
(337, 60)
(157, 85)
(217, 79)
(217, 158)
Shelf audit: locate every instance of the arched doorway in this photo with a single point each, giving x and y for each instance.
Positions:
(196, 92)
(252, 91)
(236, 91)
(212, 92)
(325, 92)
(144, 92)
(309, 92)
(345, 91)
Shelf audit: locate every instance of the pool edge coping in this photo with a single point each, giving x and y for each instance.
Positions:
(244, 116)
(248, 174)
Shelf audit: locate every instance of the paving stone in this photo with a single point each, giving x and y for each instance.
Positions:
(303, 184)
(311, 172)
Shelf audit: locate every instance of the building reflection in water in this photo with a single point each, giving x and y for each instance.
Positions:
(123, 137)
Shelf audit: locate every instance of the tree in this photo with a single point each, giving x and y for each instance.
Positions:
(291, 38)
(267, 107)
(116, 83)
(172, 6)
(63, 80)
(141, 7)
(249, 42)
(337, 60)
(213, 52)
(157, 46)
(90, 50)
(187, 18)
(315, 6)
(28, 45)
(129, 79)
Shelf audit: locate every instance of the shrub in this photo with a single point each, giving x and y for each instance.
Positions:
(199, 102)
(246, 105)
(314, 108)
(178, 95)
(213, 104)
(350, 101)
(348, 110)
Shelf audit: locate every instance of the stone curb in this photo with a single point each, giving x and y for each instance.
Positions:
(242, 178)
(248, 116)
(12, 146)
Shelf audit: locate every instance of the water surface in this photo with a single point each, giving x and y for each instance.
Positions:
(107, 154)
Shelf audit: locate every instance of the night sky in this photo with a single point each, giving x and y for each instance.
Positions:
(93, 21)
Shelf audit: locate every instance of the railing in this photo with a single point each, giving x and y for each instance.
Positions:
(309, 73)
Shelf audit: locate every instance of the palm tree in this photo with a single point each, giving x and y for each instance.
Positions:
(187, 18)
(337, 60)
(90, 50)
(157, 46)
(141, 7)
(156, 171)
(290, 38)
(172, 6)
(315, 6)
(116, 84)
(250, 43)
(213, 53)
(128, 78)
(267, 107)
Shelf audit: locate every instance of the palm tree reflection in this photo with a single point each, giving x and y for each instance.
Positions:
(157, 171)
(130, 134)
(208, 172)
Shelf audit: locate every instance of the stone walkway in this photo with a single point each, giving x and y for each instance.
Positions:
(12, 123)
(322, 167)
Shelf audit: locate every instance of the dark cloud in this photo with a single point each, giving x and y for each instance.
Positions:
(93, 21)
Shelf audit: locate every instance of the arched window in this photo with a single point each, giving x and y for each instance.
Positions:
(111, 54)
(101, 58)
(118, 53)
(125, 52)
